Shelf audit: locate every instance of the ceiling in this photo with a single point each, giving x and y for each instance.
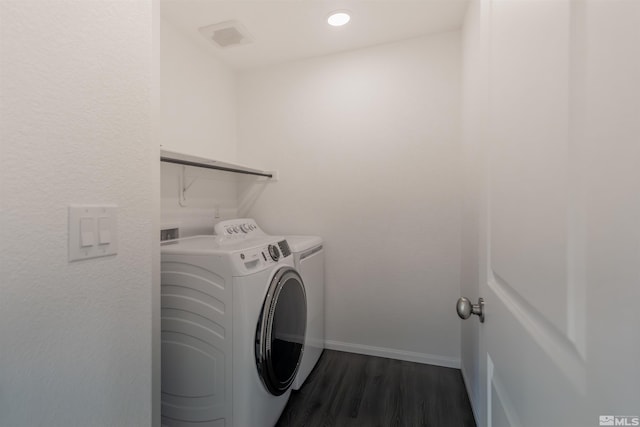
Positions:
(294, 29)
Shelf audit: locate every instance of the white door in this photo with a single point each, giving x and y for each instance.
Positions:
(560, 345)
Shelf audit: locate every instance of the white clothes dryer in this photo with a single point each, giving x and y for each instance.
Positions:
(233, 330)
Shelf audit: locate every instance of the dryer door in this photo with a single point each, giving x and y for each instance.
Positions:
(281, 331)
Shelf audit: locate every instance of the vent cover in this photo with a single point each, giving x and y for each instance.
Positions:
(226, 34)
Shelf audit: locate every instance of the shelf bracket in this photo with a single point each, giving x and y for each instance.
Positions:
(183, 186)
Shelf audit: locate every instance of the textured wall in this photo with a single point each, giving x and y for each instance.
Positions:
(367, 146)
(75, 128)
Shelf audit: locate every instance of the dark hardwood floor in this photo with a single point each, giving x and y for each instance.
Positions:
(347, 389)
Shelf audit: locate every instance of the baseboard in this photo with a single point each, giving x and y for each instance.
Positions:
(410, 356)
(471, 395)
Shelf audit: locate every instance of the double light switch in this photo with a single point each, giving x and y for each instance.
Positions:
(92, 231)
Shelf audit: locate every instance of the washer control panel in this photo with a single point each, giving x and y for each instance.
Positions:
(238, 228)
(256, 258)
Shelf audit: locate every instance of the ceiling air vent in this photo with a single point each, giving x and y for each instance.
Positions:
(226, 34)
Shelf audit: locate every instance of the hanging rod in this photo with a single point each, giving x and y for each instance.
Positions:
(170, 157)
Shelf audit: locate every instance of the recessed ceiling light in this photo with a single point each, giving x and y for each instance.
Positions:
(338, 18)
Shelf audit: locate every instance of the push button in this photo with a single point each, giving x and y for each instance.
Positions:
(104, 231)
(87, 237)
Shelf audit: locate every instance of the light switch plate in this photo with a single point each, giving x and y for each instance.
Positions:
(89, 227)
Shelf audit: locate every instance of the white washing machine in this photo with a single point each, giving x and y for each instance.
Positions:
(233, 330)
(308, 253)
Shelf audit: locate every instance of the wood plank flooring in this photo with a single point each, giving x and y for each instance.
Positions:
(353, 390)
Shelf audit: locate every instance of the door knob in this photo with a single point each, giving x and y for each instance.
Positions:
(465, 308)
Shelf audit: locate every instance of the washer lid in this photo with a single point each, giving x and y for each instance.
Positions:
(302, 243)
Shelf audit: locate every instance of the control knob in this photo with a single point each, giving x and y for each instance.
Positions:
(274, 252)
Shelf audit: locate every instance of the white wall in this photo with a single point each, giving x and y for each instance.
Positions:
(75, 128)
(367, 146)
(198, 98)
(211, 197)
(198, 116)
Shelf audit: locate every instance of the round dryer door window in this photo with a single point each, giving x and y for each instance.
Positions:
(281, 331)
